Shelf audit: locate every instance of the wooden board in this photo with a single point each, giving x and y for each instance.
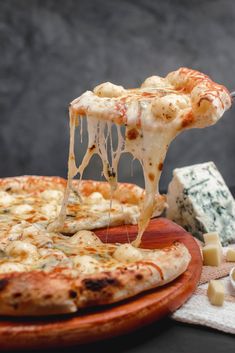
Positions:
(116, 319)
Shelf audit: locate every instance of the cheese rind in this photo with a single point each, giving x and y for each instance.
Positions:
(200, 201)
(212, 255)
(215, 292)
(230, 255)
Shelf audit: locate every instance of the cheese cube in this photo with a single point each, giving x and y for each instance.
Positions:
(233, 274)
(212, 255)
(230, 255)
(212, 237)
(215, 293)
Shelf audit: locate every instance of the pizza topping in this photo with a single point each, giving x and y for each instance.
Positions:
(16, 231)
(22, 209)
(12, 267)
(85, 237)
(108, 89)
(87, 264)
(127, 253)
(156, 82)
(22, 251)
(50, 210)
(52, 194)
(5, 199)
(153, 116)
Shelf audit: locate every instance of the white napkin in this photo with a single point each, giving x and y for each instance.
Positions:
(198, 310)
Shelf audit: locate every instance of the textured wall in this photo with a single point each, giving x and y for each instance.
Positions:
(51, 51)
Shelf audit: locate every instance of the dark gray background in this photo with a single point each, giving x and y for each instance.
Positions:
(51, 51)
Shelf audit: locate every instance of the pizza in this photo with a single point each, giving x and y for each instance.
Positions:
(51, 261)
(153, 115)
(37, 200)
(43, 272)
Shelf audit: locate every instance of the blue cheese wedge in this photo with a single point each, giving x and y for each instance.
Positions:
(200, 201)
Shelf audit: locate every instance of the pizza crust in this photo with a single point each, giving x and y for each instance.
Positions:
(59, 291)
(188, 95)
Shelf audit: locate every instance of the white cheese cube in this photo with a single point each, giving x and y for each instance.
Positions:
(233, 274)
(212, 237)
(230, 255)
(212, 255)
(200, 201)
(215, 293)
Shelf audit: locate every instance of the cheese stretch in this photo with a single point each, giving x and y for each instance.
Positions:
(153, 115)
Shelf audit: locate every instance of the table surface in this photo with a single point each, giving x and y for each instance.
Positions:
(164, 336)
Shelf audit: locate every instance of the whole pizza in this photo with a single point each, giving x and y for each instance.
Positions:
(51, 260)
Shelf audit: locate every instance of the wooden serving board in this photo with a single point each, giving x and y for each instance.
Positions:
(112, 320)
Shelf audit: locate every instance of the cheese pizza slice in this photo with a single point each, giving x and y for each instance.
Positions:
(152, 116)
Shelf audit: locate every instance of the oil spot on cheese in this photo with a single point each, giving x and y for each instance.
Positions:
(151, 176)
(188, 120)
(92, 147)
(132, 134)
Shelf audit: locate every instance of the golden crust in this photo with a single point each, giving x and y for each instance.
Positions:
(32, 183)
(80, 216)
(58, 292)
(209, 99)
(203, 102)
(125, 193)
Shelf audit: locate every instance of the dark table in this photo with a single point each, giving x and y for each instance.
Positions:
(164, 336)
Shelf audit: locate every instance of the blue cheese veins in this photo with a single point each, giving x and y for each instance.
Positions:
(200, 201)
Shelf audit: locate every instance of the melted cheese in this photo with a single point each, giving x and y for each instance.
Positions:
(153, 115)
(23, 251)
(127, 253)
(12, 267)
(85, 237)
(86, 264)
(143, 147)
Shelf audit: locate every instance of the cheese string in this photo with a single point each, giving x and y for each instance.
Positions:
(72, 172)
(149, 151)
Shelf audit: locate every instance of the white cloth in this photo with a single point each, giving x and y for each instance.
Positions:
(198, 310)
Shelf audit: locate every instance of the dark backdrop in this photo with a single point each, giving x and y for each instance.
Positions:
(51, 51)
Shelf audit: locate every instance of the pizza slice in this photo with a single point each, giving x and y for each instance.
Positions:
(80, 271)
(153, 115)
(28, 201)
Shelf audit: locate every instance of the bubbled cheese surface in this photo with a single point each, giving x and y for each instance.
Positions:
(26, 243)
